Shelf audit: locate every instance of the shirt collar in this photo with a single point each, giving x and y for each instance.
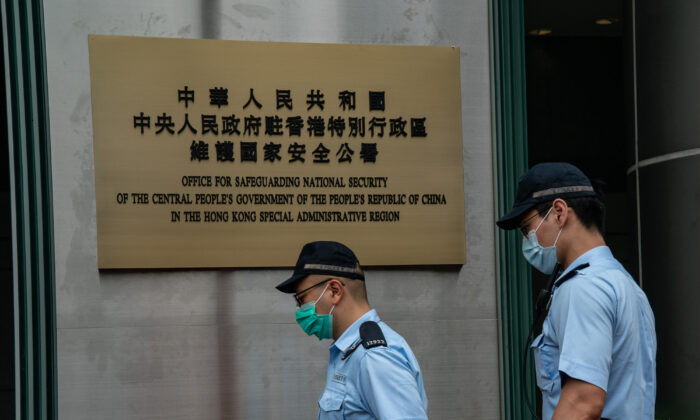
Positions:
(602, 252)
(352, 333)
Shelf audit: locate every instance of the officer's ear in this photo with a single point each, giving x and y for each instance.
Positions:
(560, 211)
(337, 289)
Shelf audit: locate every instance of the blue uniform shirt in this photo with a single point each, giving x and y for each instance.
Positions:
(382, 382)
(600, 329)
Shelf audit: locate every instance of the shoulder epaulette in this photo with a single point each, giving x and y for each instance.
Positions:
(371, 335)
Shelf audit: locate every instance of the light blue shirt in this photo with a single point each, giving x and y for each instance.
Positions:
(600, 329)
(382, 382)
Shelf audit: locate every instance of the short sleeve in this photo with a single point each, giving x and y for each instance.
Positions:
(389, 386)
(583, 317)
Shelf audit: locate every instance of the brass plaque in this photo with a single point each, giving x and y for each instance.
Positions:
(234, 154)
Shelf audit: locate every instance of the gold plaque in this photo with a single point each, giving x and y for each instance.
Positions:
(234, 154)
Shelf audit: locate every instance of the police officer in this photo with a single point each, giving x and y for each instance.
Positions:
(372, 372)
(596, 355)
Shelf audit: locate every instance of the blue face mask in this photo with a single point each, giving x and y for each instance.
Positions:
(314, 324)
(543, 259)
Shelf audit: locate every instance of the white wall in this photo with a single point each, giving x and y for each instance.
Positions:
(221, 344)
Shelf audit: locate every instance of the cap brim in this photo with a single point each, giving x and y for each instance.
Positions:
(511, 219)
(288, 286)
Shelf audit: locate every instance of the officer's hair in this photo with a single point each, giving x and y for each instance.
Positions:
(589, 210)
(357, 287)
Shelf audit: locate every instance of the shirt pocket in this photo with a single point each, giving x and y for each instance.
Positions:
(331, 405)
(546, 364)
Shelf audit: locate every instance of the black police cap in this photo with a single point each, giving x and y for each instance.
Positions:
(323, 257)
(542, 183)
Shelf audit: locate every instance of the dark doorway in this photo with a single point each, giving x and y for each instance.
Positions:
(577, 105)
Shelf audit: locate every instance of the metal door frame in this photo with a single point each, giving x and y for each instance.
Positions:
(509, 136)
(32, 209)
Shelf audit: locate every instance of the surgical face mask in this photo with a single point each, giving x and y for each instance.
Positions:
(543, 259)
(312, 323)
